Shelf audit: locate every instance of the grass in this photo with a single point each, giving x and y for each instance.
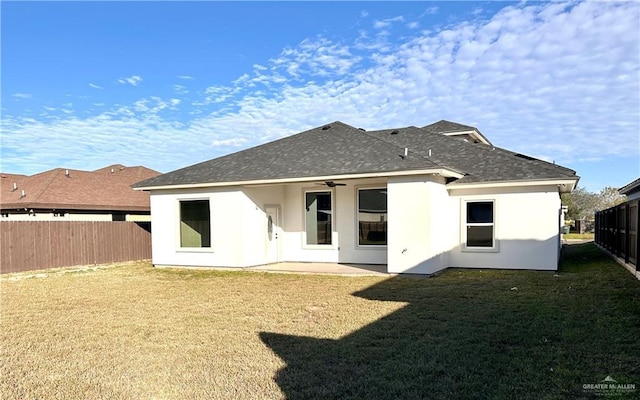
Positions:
(585, 236)
(134, 332)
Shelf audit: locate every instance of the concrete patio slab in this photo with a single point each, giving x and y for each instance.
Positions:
(322, 268)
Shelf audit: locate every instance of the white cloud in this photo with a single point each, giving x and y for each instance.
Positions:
(315, 57)
(151, 105)
(180, 89)
(557, 81)
(387, 22)
(233, 142)
(185, 77)
(22, 95)
(95, 86)
(430, 11)
(132, 80)
(413, 25)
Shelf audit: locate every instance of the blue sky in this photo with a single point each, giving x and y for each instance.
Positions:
(168, 84)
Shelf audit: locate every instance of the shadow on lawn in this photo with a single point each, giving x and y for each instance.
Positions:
(464, 334)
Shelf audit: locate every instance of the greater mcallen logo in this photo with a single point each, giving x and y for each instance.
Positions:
(609, 386)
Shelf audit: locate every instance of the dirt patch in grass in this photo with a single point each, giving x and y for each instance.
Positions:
(133, 331)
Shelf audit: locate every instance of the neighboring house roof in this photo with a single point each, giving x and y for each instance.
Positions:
(630, 188)
(338, 149)
(70, 189)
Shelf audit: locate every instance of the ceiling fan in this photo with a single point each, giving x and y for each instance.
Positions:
(332, 184)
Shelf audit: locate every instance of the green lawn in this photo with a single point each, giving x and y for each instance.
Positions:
(585, 236)
(135, 332)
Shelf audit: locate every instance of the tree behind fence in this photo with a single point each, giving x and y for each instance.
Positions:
(33, 245)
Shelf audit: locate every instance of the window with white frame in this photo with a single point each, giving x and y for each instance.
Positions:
(318, 217)
(372, 217)
(195, 223)
(480, 232)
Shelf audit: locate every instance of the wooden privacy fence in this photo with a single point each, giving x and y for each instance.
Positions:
(617, 231)
(33, 245)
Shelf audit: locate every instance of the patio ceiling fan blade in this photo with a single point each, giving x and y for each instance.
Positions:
(334, 184)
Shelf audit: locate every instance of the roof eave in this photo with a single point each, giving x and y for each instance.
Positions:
(630, 188)
(565, 185)
(444, 172)
(79, 207)
(474, 133)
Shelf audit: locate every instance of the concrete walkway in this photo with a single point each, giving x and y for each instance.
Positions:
(322, 268)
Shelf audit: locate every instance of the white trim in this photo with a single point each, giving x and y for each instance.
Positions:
(359, 246)
(474, 133)
(480, 185)
(464, 224)
(448, 173)
(305, 245)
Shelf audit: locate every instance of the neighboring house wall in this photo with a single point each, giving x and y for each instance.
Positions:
(138, 217)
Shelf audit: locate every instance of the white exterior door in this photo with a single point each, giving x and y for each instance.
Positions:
(273, 234)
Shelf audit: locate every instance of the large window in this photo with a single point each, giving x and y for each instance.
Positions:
(480, 224)
(318, 217)
(195, 223)
(372, 217)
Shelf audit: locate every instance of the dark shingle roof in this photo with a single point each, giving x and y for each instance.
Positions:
(340, 149)
(480, 163)
(333, 149)
(451, 128)
(443, 126)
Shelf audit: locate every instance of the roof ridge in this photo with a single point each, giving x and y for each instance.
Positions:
(457, 125)
(380, 138)
(239, 152)
(508, 153)
(526, 159)
(54, 172)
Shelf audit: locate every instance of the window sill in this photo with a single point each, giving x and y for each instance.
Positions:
(319, 247)
(371, 247)
(494, 249)
(194, 250)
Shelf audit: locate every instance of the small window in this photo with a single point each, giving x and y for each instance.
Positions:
(118, 217)
(318, 217)
(195, 223)
(480, 224)
(372, 217)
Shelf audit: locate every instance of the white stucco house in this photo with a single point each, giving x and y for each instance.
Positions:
(417, 200)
